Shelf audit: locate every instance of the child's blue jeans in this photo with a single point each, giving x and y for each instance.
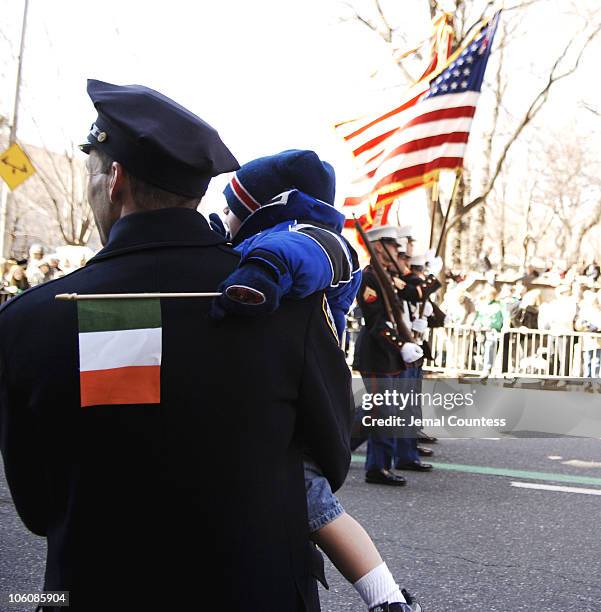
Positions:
(322, 505)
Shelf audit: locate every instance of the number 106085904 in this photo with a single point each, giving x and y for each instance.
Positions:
(46, 598)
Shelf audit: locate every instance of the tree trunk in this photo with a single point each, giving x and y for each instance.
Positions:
(479, 229)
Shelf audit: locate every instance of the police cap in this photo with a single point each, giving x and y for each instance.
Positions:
(156, 139)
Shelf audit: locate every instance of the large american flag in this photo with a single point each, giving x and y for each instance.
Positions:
(407, 147)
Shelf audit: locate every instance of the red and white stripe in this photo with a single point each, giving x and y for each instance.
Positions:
(431, 135)
(243, 195)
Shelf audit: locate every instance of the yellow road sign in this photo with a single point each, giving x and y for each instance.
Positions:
(15, 166)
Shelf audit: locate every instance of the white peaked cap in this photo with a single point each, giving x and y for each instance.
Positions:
(418, 260)
(404, 231)
(403, 244)
(382, 232)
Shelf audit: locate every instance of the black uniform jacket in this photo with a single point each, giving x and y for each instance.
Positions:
(418, 290)
(425, 287)
(378, 348)
(196, 503)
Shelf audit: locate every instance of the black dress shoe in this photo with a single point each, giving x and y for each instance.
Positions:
(425, 452)
(410, 606)
(397, 607)
(425, 438)
(416, 466)
(384, 477)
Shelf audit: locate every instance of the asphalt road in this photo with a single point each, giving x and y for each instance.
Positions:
(460, 538)
(464, 541)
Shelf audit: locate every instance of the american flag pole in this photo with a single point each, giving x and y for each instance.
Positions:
(434, 197)
(458, 176)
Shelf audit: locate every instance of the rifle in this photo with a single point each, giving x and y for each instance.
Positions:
(391, 302)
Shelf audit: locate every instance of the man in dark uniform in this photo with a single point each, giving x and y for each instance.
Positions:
(381, 356)
(411, 298)
(421, 313)
(192, 500)
(417, 310)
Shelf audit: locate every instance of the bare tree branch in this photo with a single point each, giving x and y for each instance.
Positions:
(387, 35)
(386, 32)
(358, 17)
(57, 209)
(521, 5)
(591, 108)
(51, 158)
(465, 34)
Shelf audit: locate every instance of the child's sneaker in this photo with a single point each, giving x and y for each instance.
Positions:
(410, 606)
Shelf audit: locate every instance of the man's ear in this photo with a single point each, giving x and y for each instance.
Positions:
(116, 184)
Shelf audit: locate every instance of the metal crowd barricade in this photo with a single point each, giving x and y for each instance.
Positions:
(4, 296)
(514, 353)
(461, 350)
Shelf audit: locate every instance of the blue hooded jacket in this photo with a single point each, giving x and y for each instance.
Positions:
(304, 235)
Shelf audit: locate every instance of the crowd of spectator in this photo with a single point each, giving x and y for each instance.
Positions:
(17, 275)
(549, 300)
(533, 302)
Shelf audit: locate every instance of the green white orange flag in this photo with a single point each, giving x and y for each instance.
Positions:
(120, 346)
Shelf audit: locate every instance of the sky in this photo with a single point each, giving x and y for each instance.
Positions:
(268, 74)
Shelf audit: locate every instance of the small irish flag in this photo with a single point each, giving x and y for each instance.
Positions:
(120, 348)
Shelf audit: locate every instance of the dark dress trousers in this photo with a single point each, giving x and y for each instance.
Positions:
(378, 359)
(197, 502)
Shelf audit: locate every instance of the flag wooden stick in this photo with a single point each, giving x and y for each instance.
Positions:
(434, 198)
(449, 207)
(129, 296)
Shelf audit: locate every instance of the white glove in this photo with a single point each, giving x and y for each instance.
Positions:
(398, 283)
(419, 325)
(435, 265)
(447, 320)
(430, 254)
(428, 310)
(411, 352)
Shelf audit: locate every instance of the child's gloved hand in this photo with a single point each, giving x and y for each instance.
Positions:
(249, 290)
(217, 225)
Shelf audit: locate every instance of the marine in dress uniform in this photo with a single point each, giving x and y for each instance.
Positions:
(381, 355)
(421, 313)
(196, 502)
(417, 310)
(407, 455)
